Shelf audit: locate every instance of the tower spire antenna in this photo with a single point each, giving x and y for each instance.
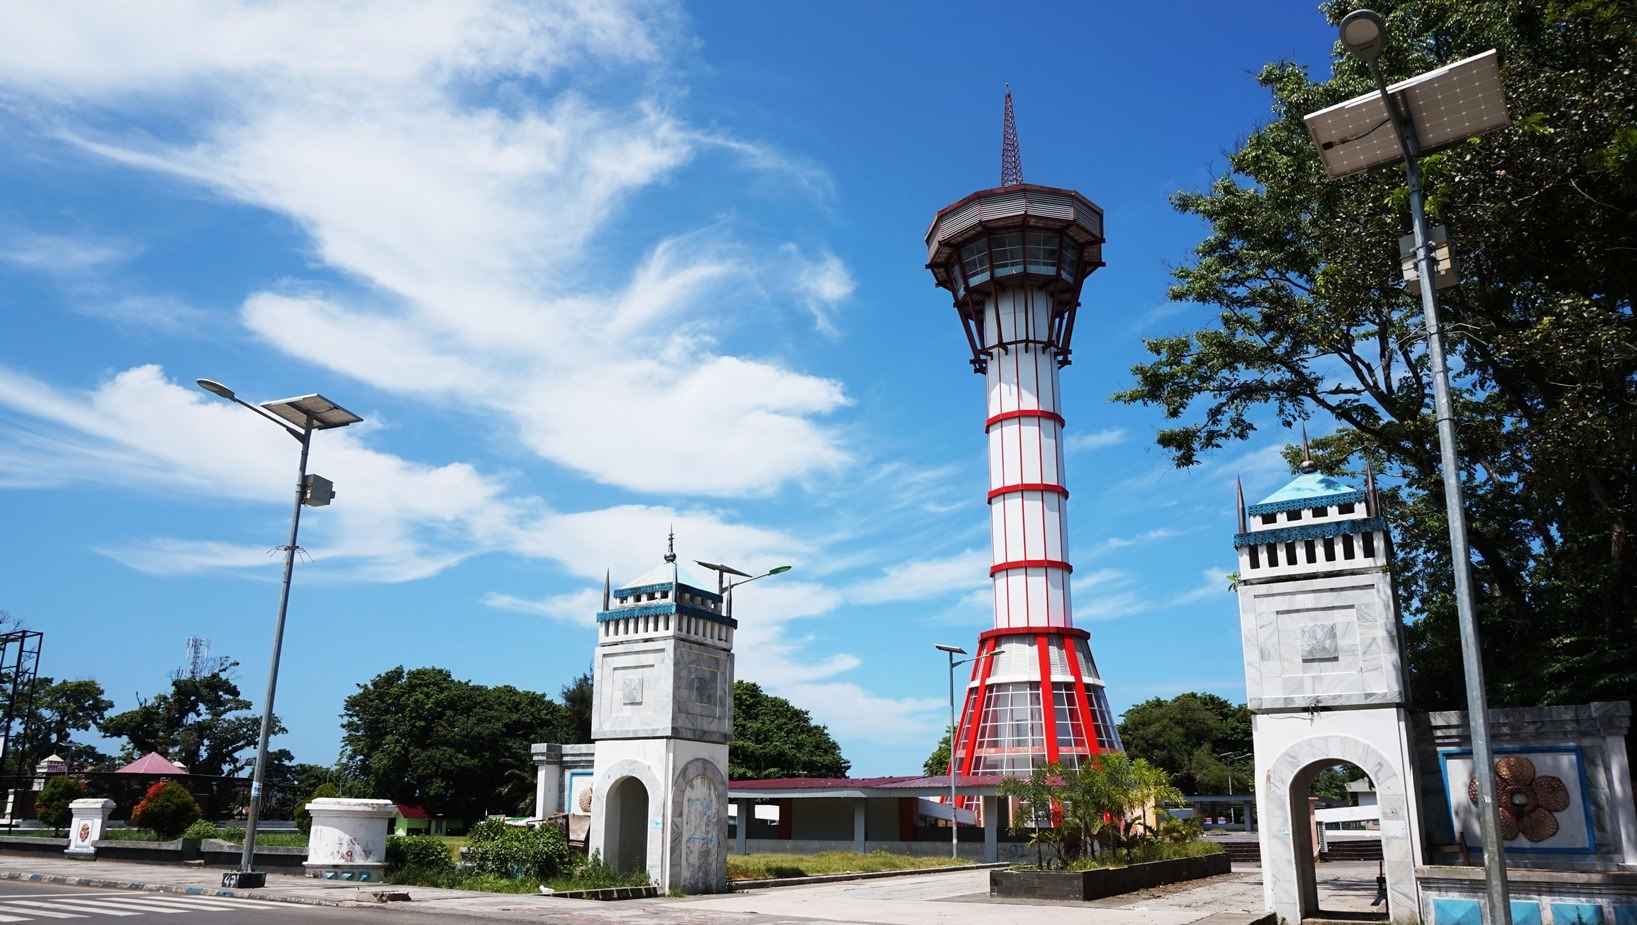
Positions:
(1308, 465)
(670, 546)
(1011, 160)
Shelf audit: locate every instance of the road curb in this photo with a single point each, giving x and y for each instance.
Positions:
(164, 888)
(739, 885)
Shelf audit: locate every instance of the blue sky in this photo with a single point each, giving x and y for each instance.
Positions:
(588, 270)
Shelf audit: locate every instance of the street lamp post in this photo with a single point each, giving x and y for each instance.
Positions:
(954, 809)
(299, 417)
(1364, 34)
(725, 587)
(1230, 760)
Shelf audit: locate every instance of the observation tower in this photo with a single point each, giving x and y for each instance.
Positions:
(1014, 259)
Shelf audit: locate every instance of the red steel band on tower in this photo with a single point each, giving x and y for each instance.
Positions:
(1014, 259)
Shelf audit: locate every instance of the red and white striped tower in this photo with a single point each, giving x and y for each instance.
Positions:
(1014, 258)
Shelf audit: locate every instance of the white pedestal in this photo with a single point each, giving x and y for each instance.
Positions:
(90, 816)
(348, 839)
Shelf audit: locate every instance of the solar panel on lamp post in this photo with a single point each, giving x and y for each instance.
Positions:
(1428, 112)
(299, 417)
(954, 809)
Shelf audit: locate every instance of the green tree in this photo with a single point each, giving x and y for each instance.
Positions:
(58, 709)
(1313, 320)
(201, 722)
(1188, 736)
(937, 763)
(1331, 784)
(774, 738)
(422, 737)
(578, 701)
(52, 805)
(304, 819)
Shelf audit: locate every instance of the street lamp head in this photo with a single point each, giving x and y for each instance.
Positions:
(952, 650)
(216, 388)
(1363, 34)
(778, 570)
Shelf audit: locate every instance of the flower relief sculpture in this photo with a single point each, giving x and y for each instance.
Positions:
(1527, 803)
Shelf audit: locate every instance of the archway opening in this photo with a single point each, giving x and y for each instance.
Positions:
(627, 821)
(1336, 833)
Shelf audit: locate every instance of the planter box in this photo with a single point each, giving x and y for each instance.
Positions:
(1103, 881)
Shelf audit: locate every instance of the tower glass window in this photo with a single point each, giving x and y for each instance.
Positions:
(1007, 251)
(975, 262)
(1042, 252)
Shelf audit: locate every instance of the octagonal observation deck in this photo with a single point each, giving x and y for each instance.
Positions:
(1017, 235)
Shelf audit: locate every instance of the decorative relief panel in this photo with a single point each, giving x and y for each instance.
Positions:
(1319, 642)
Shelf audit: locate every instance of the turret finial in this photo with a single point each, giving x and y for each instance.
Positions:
(670, 545)
(1308, 465)
(1372, 507)
(1011, 160)
(1239, 492)
(607, 587)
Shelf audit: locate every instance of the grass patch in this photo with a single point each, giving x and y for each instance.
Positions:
(33, 833)
(774, 866)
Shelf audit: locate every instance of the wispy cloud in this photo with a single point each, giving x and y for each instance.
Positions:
(1213, 585)
(471, 230)
(1094, 440)
(962, 572)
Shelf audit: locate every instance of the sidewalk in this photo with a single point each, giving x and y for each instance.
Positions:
(922, 899)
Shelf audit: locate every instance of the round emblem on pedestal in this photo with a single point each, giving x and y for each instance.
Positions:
(85, 831)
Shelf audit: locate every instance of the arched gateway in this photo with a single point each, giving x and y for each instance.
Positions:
(1324, 678)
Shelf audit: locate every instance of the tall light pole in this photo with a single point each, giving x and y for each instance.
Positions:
(954, 809)
(1455, 102)
(299, 417)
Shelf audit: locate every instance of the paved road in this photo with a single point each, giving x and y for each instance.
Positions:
(52, 904)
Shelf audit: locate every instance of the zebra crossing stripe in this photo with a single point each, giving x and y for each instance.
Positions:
(13, 918)
(123, 902)
(204, 903)
(81, 905)
(43, 913)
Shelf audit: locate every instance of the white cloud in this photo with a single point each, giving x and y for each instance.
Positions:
(962, 572)
(1213, 585)
(1110, 544)
(578, 608)
(62, 254)
(1094, 440)
(480, 228)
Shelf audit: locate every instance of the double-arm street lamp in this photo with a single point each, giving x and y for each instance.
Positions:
(299, 417)
(1429, 112)
(725, 587)
(1230, 758)
(954, 736)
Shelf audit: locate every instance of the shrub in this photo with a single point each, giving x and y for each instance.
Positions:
(51, 806)
(418, 855)
(201, 830)
(304, 819)
(167, 809)
(497, 849)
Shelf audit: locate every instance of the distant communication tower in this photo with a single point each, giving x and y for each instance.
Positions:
(198, 657)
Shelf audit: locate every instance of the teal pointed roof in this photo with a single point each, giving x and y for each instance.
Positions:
(1310, 489)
